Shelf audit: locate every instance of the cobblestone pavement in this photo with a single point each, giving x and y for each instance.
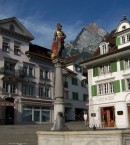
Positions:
(26, 134)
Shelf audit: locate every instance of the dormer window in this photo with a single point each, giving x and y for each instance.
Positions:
(123, 27)
(104, 48)
(78, 68)
(123, 39)
(11, 28)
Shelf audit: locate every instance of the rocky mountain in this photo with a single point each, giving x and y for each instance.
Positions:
(86, 42)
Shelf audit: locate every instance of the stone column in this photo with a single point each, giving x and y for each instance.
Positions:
(59, 108)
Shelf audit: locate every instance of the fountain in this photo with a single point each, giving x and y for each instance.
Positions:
(61, 135)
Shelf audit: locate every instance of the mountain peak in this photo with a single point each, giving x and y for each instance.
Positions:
(88, 39)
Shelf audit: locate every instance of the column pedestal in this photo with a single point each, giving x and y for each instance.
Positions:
(59, 105)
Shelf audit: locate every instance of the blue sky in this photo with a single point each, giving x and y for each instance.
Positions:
(41, 16)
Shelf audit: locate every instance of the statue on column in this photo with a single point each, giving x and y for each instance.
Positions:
(58, 43)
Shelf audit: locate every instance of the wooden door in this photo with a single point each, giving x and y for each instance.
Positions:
(129, 114)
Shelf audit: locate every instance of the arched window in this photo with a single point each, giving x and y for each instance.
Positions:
(11, 27)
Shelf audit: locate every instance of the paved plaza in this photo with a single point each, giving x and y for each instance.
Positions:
(26, 134)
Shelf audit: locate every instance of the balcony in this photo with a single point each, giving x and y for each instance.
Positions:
(11, 73)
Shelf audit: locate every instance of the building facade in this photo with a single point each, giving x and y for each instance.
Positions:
(108, 79)
(27, 79)
(75, 90)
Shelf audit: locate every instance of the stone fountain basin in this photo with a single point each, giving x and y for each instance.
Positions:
(98, 137)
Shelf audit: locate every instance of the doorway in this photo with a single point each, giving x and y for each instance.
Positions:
(9, 112)
(128, 108)
(108, 116)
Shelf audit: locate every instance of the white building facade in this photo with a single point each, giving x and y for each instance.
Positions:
(75, 91)
(109, 80)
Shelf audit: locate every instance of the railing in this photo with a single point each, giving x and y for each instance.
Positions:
(11, 72)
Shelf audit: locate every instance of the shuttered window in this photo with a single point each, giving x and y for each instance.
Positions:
(95, 71)
(94, 90)
(123, 85)
(113, 66)
(122, 65)
(117, 41)
(116, 86)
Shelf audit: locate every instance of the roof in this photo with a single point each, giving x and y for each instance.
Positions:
(15, 20)
(113, 48)
(72, 59)
(38, 51)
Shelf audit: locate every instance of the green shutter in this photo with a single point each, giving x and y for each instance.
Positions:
(116, 86)
(117, 41)
(113, 66)
(95, 71)
(94, 90)
(122, 65)
(123, 85)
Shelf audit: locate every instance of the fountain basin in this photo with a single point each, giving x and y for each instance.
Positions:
(98, 137)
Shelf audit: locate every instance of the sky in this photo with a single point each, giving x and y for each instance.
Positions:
(41, 16)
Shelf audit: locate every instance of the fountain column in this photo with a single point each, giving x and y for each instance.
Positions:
(59, 105)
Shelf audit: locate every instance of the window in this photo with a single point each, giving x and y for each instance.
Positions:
(85, 97)
(28, 90)
(44, 73)
(104, 69)
(17, 49)
(5, 46)
(101, 89)
(78, 68)
(106, 88)
(44, 91)
(104, 47)
(25, 70)
(83, 83)
(13, 88)
(75, 95)
(65, 84)
(123, 39)
(47, 90)
(11, 27)
(74, 81)
(41, 92)
(128, 83)
(127, 63)
(9, 65)
(9, 88)
(9, 68)
(123, 27)
(128, 38)
(41, 73)
(28, 70)
(35, 114)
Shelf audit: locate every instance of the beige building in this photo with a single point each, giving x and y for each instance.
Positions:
(26, 76)
(27, 79)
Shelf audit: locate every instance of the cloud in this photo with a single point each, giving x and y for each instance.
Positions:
(43, 32)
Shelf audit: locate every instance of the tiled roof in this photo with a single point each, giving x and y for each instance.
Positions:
(111, 39)
(39, 51)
